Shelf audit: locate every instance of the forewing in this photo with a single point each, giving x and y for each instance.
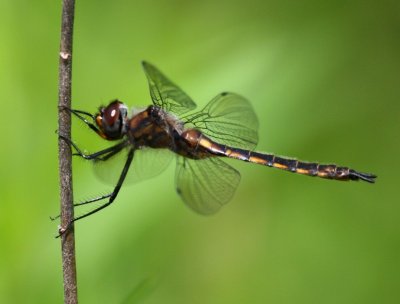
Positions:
(165, 93)
(228, 119)
(147, 163)
(205, 185)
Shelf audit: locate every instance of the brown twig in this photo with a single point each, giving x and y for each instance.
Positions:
(65, 156)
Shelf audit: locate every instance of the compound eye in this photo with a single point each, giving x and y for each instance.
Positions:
(111, 120)
(111, 115)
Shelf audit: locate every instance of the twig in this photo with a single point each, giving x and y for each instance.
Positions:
(65, 156)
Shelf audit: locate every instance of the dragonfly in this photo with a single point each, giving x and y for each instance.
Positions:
(148, 138)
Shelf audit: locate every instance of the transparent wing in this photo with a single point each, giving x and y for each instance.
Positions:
(228, 119)
(165, 93)
(205, 185)
(147, 163)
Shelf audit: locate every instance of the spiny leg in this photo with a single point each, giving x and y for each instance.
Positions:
(100, 155)
(111, 197)
(93, 200)
(79, 113)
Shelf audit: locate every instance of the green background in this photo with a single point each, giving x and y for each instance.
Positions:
(323, 77)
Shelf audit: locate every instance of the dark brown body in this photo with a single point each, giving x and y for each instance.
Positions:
(157, 129)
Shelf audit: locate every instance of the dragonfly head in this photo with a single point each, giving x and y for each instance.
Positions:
(111, 120)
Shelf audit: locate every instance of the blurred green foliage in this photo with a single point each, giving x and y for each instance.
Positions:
(323, 77)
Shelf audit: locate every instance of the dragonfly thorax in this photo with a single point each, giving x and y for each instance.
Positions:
(153, 128)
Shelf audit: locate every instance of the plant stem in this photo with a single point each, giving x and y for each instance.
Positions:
(65, 155)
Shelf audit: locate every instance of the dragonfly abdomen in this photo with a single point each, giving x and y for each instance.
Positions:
(330, 171)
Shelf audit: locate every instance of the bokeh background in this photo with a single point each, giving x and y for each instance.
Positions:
(323, 77)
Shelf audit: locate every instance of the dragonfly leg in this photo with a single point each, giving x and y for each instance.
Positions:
(79, 113)
(97, 156)
(100, 155)
(93, 200)
(111, 196)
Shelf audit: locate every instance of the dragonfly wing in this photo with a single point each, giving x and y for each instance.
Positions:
(228, 119)
(166, 94)
(205, 185)
(147, 163)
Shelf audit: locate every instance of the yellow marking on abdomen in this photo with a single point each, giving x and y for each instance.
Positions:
(206, 143)
(211, 146)
(279, 166)
(302, 171)
(257, 160)
(237, 155)
(322, 174)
